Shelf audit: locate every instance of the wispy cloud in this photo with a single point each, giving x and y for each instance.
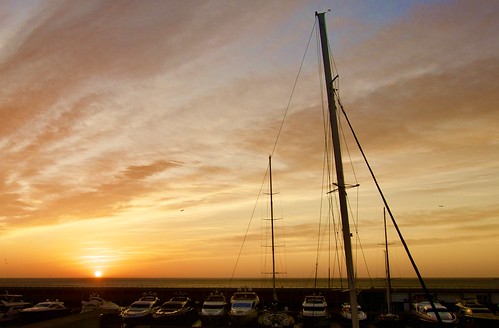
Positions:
(139, 113)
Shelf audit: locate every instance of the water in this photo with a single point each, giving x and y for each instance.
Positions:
(363, 283)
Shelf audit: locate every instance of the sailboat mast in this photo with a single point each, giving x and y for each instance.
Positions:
(388, 278)
(274, 294)
(339, 170)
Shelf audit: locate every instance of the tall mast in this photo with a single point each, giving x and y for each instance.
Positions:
(388, 279)
(274, 294)
(339, 170)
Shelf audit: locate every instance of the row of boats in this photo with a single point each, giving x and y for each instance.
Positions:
(243, 309)
(470, 312)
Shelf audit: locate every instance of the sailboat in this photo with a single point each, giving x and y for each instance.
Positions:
(431, 309)
(342, 195)
(274, 317)
(389, 318)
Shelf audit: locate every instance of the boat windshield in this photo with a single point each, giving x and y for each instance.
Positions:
(243, 296)
(481, 310)
(140, 305)
(443, 313)
(42, 305)
(172, 306)
(438, 310)
(218, 298)
(314, 308)
(212, 306)
(242, 305)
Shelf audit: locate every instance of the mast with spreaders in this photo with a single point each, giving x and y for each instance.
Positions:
(339, 170)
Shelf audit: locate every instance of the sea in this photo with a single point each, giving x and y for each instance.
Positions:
(147, 283)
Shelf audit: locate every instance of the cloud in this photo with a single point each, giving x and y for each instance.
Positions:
(133, 112)
(138, 172)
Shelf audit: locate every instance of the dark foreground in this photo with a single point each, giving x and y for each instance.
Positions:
(372, 301)
(93, 320)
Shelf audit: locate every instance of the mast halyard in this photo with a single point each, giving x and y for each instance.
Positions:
(388, 278)
(339, 170)
(274, 294)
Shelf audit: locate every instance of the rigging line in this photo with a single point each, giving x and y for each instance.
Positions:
(361, 250)
(331, 204)
(411, 259)
(336, 80)
(355, 218)
(279, 235)
(248, 227)
(293, 89)
(327, 174)
(281, 240)
(357, 234)
(338, 245)
(346, 147)
(327, 179)
(325, 164)
(336, 229)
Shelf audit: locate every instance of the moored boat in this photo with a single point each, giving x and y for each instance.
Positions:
(315, 311)
(471, 312)
(346, 312)
(214, 310)
(140, 311)
(244, 308)
(388, 320)
(45, 311)
(276, 318)
(425, 313)
(10, 306)
(179, 310)
(95, 302)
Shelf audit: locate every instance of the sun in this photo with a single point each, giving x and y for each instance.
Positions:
(98, 274)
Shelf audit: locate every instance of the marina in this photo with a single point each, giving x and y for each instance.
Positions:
(153, 202)
(291, 294)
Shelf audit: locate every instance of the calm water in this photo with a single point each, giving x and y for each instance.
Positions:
(475, 283)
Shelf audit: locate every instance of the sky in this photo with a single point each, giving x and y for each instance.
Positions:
(135, 135)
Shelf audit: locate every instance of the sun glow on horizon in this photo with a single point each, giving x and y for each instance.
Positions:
(98, 274)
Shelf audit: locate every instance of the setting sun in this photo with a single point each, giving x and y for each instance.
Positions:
(98, 274)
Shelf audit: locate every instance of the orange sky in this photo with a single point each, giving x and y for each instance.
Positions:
(135, 135)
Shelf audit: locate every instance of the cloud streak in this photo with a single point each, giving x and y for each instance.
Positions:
(160, 114)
